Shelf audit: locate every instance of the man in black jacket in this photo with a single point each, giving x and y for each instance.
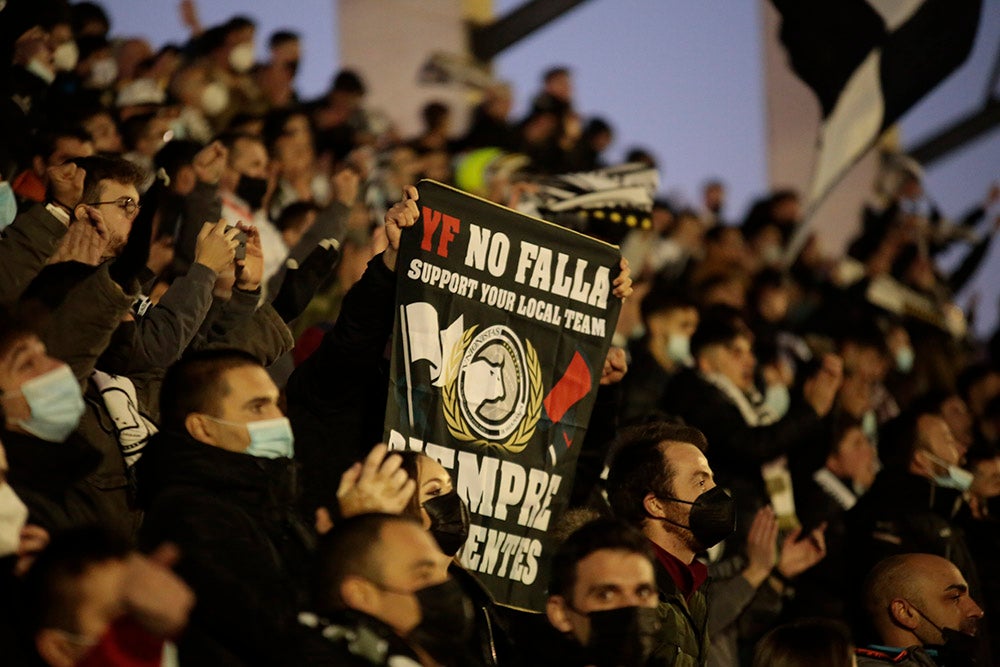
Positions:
(219, 482)
(718, 396)
(383, 596)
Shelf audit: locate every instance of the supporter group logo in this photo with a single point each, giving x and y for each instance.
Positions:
(494, 396)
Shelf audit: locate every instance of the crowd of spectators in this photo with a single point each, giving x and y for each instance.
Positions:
(792, 461)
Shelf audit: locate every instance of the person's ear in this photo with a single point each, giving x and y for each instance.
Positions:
(903, 614)
(653, 505)
(360, 595)
(199, 428)
(557, 612)
(54, 649)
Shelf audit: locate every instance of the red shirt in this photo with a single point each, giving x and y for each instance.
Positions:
(687, 578)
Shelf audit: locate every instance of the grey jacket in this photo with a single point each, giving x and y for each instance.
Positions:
(26, 245)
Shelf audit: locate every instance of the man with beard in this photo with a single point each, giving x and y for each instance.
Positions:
(602, 599)
(920, 609)
(660, 482)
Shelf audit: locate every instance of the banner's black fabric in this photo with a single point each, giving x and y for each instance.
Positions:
(503, 324)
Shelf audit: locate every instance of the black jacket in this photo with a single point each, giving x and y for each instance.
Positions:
(49, 479)
(336, 398)
(244, 550)
(348, 639)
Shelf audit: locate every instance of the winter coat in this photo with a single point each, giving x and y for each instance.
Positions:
(684, 629)
(26, 245)
(244, 550)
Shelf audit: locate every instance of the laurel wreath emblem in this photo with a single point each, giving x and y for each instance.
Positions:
(459, 429)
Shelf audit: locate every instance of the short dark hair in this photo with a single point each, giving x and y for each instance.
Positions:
(83, 13)
(554, 72)
(195, 384)
(279, 37)
(12, 329)
(640, 466)
(434, 113)
(107, 168)
(134, 127)
(348, 81)
(239, 22)
(351, 548)
(661, 299)
(177, 154)
(719, 325)
(598, 535)
(293, 215)
(44, 142)
(51, 588)
(817, 642)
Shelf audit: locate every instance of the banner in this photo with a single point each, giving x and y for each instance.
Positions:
(503, 323)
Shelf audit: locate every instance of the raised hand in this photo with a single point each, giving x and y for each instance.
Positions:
(377, 485)
(402, 214)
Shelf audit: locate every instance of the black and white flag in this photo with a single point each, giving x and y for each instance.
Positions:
(869, 61)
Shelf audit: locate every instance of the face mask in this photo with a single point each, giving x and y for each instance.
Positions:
(449, 521)
(269, 438)
(56, 404)
(241, 57)
(13, 516)
(904, 359)
(869, 425)
(251, 190)
(958, 648)
(623, 637)
(955, 477)
(712, 519)
(679, 348)
(66, 56)
(446, 621)
(8, 205)
(214, 98)
(103, 73)
(771, 254)
(777, 400)
(41, 70)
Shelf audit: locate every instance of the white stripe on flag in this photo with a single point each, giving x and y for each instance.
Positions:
(895, 12)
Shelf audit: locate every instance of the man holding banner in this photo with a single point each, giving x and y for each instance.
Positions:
(503, 326)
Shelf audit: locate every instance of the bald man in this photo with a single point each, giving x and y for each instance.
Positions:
(919, 606)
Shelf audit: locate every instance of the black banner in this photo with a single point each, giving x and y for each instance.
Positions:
(503, 324)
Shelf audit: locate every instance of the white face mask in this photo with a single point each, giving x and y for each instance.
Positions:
(13, 516)
(41, 70)
(241, 58)
(66, 56)
(103, 73)
(214, 98)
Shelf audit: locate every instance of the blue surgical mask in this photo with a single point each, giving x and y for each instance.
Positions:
(954, 477)
(269, 438)
(679, 348)
(56, 404)
(8, 205)
(904, 359)
(777, 400)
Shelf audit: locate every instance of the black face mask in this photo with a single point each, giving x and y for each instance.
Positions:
(958, 649)
(449, 521)
(446, 622)
(251, 190)
(713, 516)
(623, 637)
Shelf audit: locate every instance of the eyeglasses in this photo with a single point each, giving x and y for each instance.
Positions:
(127, 204)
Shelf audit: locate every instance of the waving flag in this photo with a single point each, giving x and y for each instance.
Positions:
(869, 61)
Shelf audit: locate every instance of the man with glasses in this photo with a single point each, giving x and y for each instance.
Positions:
(110, 188)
